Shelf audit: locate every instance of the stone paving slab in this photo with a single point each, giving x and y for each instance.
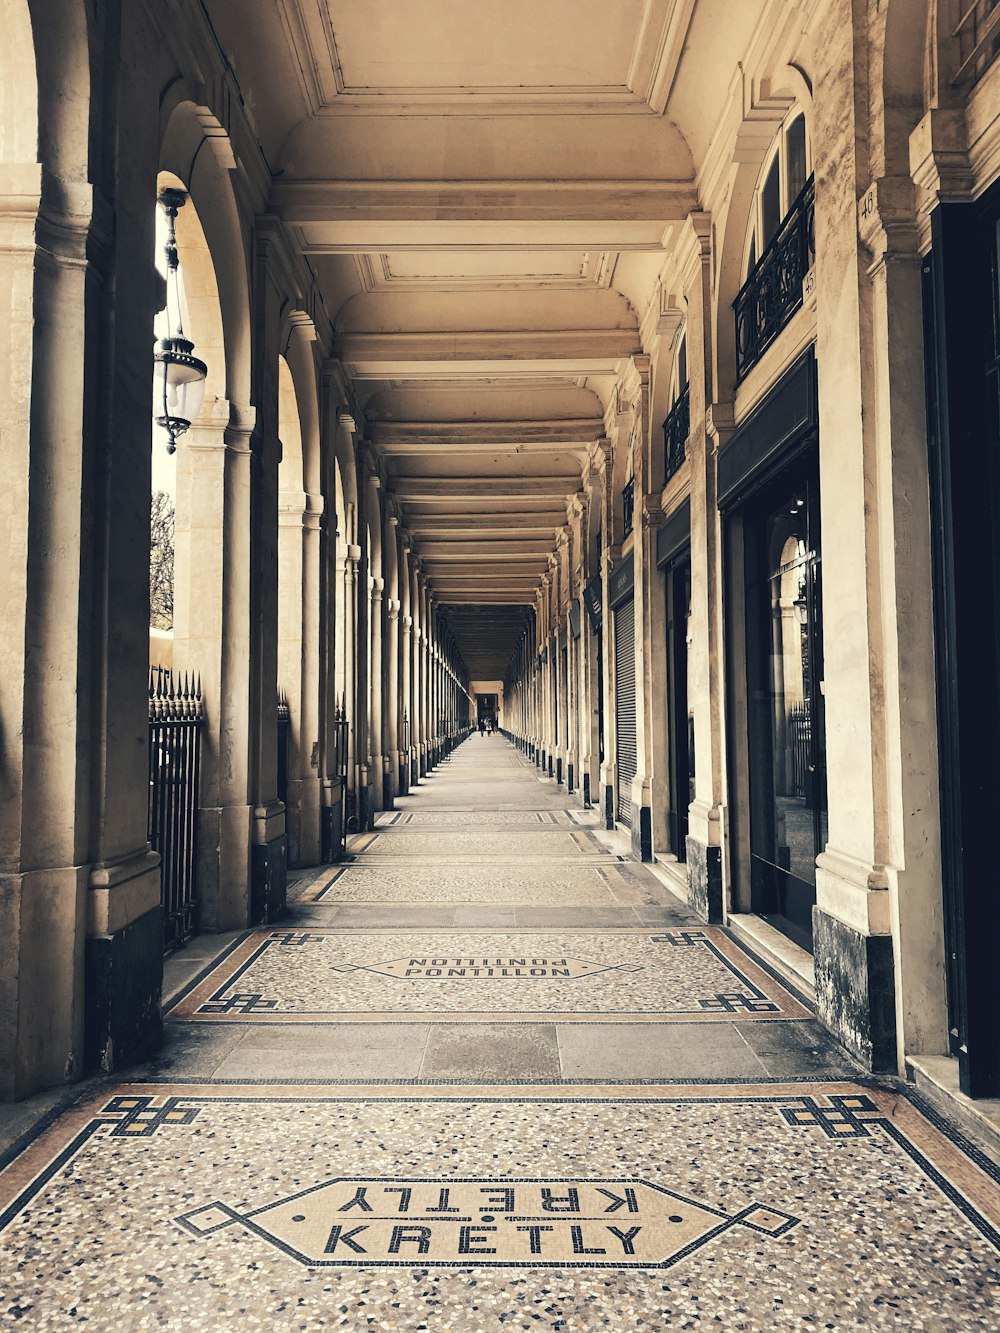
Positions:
(509, 845)
(548, 885)
(316, 974)
(764, 1206)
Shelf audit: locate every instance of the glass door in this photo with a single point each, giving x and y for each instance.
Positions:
(788, 801)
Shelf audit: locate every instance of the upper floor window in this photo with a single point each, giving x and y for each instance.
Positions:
(779, 248)
(677, 425)
(978, 36)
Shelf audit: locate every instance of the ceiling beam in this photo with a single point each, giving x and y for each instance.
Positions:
(450, 490)
(552, 431)
(358, 204)
(476, 345)
(436, 526)
(488, 549)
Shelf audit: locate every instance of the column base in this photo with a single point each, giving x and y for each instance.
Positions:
(704, 872)
(569, 777)
(124, 981)
(855, 990)
(333, 832)
(609, 806)
(642, 832)
(586, 789)
(388, 791)
(559, 771)
(551, 766)
(366, 807)
(268, 880)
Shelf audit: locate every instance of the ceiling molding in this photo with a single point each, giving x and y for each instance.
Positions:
(658, 51)
(625, 199)
(386, 349)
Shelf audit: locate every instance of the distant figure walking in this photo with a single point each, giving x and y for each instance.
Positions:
(482, 726)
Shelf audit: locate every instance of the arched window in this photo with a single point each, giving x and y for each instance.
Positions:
(787, 168)
(779, 248)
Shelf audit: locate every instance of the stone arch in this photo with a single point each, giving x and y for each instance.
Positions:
(904, 68)
(19, 100)
(730, 230)
(195, 149)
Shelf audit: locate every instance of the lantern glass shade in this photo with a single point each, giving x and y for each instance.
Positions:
(180, 385)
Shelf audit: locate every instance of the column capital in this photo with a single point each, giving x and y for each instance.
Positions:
(720, 422)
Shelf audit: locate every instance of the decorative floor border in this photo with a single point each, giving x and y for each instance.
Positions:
(838, 1110)
(757, 995)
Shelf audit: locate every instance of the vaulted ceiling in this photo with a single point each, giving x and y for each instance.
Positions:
(485, 193)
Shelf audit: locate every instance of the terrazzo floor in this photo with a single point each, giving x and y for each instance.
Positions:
(487, 1075)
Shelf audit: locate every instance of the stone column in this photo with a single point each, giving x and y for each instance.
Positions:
(349, 622)
(711, 427)
(79, 889)
(212, 639)
(602, 459)
(375, 736)
(392, 704)
(646, 517)
(269, 843)
(299, 518)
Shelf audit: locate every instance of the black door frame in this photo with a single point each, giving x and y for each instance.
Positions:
(679, 741)
(962, 353)
(782, 428)
(774, 889)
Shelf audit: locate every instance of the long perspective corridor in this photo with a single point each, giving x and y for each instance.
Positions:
(500, 665)
(488, 1073)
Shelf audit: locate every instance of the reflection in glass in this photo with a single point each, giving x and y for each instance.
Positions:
(788, 787)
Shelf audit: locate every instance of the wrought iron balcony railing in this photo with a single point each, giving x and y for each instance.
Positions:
(628, 506)
(773, 290)
(676, 429)
(978, 37)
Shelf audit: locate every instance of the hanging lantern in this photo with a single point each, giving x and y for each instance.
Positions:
(180, 375)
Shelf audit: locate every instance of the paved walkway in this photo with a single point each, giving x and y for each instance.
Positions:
(489, 1074)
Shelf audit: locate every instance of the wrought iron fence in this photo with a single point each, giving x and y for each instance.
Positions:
(341, 729)
(676, 429)
(800, 747)
(176, 713)
(628, 506)
(978, 37)
(284, 722)
(773, 290)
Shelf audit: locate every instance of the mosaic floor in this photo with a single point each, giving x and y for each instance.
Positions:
(518, 976)
(488, 1076)
(767, 1207)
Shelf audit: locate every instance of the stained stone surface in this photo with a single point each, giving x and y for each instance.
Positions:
(764, 1207)
(637, 1132)
(512, 845)
(559, 885)
(281, 975)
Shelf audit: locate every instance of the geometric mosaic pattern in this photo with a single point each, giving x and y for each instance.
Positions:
(771, 1206)
(487, 976)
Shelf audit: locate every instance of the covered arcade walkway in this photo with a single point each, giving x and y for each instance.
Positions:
(487, 1074)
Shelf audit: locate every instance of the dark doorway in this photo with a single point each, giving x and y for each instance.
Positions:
(962, 342)
(625, 719)
(680, 722)
(784, 649)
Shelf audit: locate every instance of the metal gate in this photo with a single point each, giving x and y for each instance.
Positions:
(175, 721)
(625, 742)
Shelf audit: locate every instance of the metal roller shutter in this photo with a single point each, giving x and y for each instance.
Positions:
(625, 706)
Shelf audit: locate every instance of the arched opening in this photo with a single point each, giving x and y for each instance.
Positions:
(212, 485)
(779, 247)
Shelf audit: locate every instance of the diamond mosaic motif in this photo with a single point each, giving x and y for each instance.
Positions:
(357, 1222)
